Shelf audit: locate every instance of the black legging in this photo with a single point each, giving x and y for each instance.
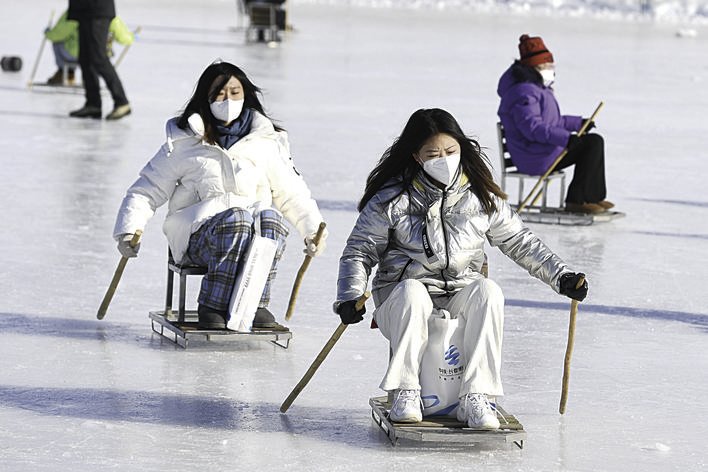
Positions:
(588, 184)
(93, 35)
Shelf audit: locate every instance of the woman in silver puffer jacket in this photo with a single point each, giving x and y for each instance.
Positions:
(428, 208)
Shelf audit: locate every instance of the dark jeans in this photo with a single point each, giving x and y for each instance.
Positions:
(93, 35)
(588, 184)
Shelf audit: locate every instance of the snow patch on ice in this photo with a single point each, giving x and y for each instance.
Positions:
(659, 447)
(659, 10)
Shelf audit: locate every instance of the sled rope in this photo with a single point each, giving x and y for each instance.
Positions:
(556, 162)
(320, 358)
(569, 349)
(116, 278)
(301, 273)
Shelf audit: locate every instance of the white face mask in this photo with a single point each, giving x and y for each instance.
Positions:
(549, 76)
(443, 169)
(226, 110)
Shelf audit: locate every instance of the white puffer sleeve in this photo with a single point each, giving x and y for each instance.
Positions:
(514, 239)
(153, 188)
(290, 193)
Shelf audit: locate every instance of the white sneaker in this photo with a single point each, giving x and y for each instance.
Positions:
(407, 407)
(477, 412)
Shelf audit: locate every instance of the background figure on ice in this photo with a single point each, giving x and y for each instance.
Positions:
(536, 132)
(428, 208)
(64, 36)
(94, 19)
(223, 165)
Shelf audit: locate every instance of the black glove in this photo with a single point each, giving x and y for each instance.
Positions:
(591, 125)
(349, 314)
(573, 140)
(569, 281)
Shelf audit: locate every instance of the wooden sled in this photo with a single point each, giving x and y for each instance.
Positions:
(558, 216)
(180, 332)
(181, 325)
(446, 430)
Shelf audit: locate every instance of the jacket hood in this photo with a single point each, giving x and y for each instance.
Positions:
(517, 73)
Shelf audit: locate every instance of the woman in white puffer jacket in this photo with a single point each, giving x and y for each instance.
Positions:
(224, 163)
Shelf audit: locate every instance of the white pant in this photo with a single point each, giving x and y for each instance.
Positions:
(403, 320)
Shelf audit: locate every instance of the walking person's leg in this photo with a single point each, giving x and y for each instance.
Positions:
(92, 106)
(104, 68)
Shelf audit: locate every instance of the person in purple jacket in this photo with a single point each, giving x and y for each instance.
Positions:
(536, 132)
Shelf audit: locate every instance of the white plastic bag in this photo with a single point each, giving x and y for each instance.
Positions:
(443, 365)
(251, 280)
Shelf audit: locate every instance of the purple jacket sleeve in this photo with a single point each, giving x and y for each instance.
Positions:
(572, 123)
(531, 117)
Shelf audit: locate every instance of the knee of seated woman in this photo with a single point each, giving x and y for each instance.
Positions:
(594, 139)
(270, 213)
(236, 215)
(486, 288)
(412, 286)
(411, 290)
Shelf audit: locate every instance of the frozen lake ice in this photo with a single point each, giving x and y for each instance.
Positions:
(84, 395)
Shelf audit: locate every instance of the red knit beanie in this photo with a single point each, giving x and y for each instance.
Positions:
(532, 51)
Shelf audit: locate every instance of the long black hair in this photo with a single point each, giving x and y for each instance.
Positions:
(398, 160)
(208, 87)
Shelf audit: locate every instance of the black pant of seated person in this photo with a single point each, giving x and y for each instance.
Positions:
(588, 184)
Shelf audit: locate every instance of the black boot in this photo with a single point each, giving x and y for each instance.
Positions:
(264, 320)
(209, 318)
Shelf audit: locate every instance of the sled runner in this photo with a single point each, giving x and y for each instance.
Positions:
(446, 430)
(180, 332)
(75, 89)
(182, 326)
(559, 216)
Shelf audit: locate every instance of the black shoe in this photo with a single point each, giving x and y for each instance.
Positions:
(264, 320)
(87, 111)
(210, 318)
(57, 78)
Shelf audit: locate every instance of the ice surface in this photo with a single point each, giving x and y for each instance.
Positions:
(84, 395)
